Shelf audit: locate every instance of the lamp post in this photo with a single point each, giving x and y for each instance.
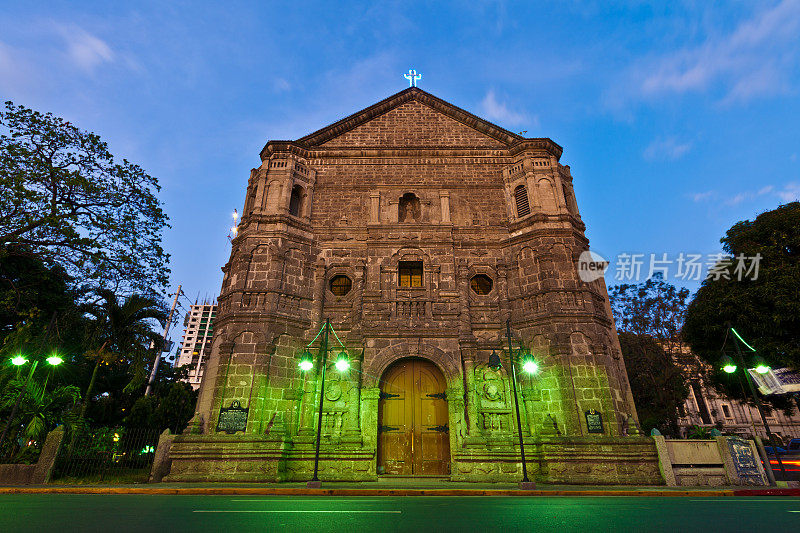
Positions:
(18, 361)
(761, 368)
(530, 367)
(306, 364)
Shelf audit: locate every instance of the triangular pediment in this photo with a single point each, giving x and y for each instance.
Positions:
(411, 118)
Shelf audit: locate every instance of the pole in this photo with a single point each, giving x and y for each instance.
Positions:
(760, 409)
(315, 480)
(526, 483)
(27, 380)
(153, 372)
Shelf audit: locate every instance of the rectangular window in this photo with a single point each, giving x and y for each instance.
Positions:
(726, 411)
(410, 273)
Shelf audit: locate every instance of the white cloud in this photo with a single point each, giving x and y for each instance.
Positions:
(666, 149)
(281, 85)
(701, 196)
(756, 59)
(499, 111)
(84, 49)
(790, 192)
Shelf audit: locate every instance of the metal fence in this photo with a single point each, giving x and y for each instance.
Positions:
(106, 455)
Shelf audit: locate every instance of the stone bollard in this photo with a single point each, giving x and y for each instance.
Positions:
(47, 457)
(161, 461)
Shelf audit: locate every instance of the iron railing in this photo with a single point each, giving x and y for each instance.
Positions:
(106, 455)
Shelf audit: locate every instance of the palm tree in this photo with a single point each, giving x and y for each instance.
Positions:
(40, 410)
(122, 331)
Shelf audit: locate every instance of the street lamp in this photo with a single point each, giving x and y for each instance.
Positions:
(307, 363)
(19, 360)
(529, 366)
(761, 367)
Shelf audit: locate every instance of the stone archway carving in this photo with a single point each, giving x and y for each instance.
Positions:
(375, 366)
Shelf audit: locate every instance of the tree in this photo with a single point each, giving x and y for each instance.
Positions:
(764, 309)
(64, 198)
(39, 411)
(654, 308)
(657, 383)
(649, 317)
(122, 335)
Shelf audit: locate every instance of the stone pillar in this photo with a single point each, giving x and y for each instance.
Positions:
(286, 195)
(374, 208)
(465, 320)
(468, 357)
(353, 429)
(358, 301)
(502, 290)
(369, 417)
(444, 199)
(319, 294)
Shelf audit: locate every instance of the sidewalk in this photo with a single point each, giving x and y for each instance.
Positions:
(397, 487)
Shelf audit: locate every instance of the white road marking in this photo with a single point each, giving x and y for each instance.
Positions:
(747, 500)
(293, 511)
(270, 499)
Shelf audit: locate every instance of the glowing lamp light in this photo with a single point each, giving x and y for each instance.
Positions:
(306, 361)
(727, 364)
(54, 360)
(342, 363)
(530, 367)
(18, 360)
(762, 369)
(116, 437)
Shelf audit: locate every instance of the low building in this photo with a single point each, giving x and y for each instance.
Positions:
(196, 343)
(706, 407)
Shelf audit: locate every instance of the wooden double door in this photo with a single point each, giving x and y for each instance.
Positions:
(413, 432)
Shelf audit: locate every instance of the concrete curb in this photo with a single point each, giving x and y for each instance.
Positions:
(232, 491)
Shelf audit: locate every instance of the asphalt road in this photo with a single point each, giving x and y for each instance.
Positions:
(235, 514)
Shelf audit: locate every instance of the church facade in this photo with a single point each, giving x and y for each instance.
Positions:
(421, 232)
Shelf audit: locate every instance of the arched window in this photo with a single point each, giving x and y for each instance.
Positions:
(341, 285)
(521, 198)
(409, 209)
(296, 201)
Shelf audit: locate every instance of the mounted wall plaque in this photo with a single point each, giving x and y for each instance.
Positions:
(594, 421)
(233, 418)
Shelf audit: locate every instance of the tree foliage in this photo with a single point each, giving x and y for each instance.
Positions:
(657, 383)
(654, 308)
(649, 317)
(764, 310)
(64, 198)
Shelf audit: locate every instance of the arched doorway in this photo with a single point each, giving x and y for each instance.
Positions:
(413, 436)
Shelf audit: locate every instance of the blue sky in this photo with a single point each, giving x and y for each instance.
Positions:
(677, 118)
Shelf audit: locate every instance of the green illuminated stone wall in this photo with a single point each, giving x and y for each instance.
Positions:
(467, 218)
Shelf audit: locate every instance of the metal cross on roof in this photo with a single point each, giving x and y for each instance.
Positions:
(412, 77)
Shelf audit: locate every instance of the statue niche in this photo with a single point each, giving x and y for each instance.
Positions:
(409, 209)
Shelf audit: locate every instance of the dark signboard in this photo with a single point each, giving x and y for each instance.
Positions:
(233, 418)
(594, 421)
(743, 458)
